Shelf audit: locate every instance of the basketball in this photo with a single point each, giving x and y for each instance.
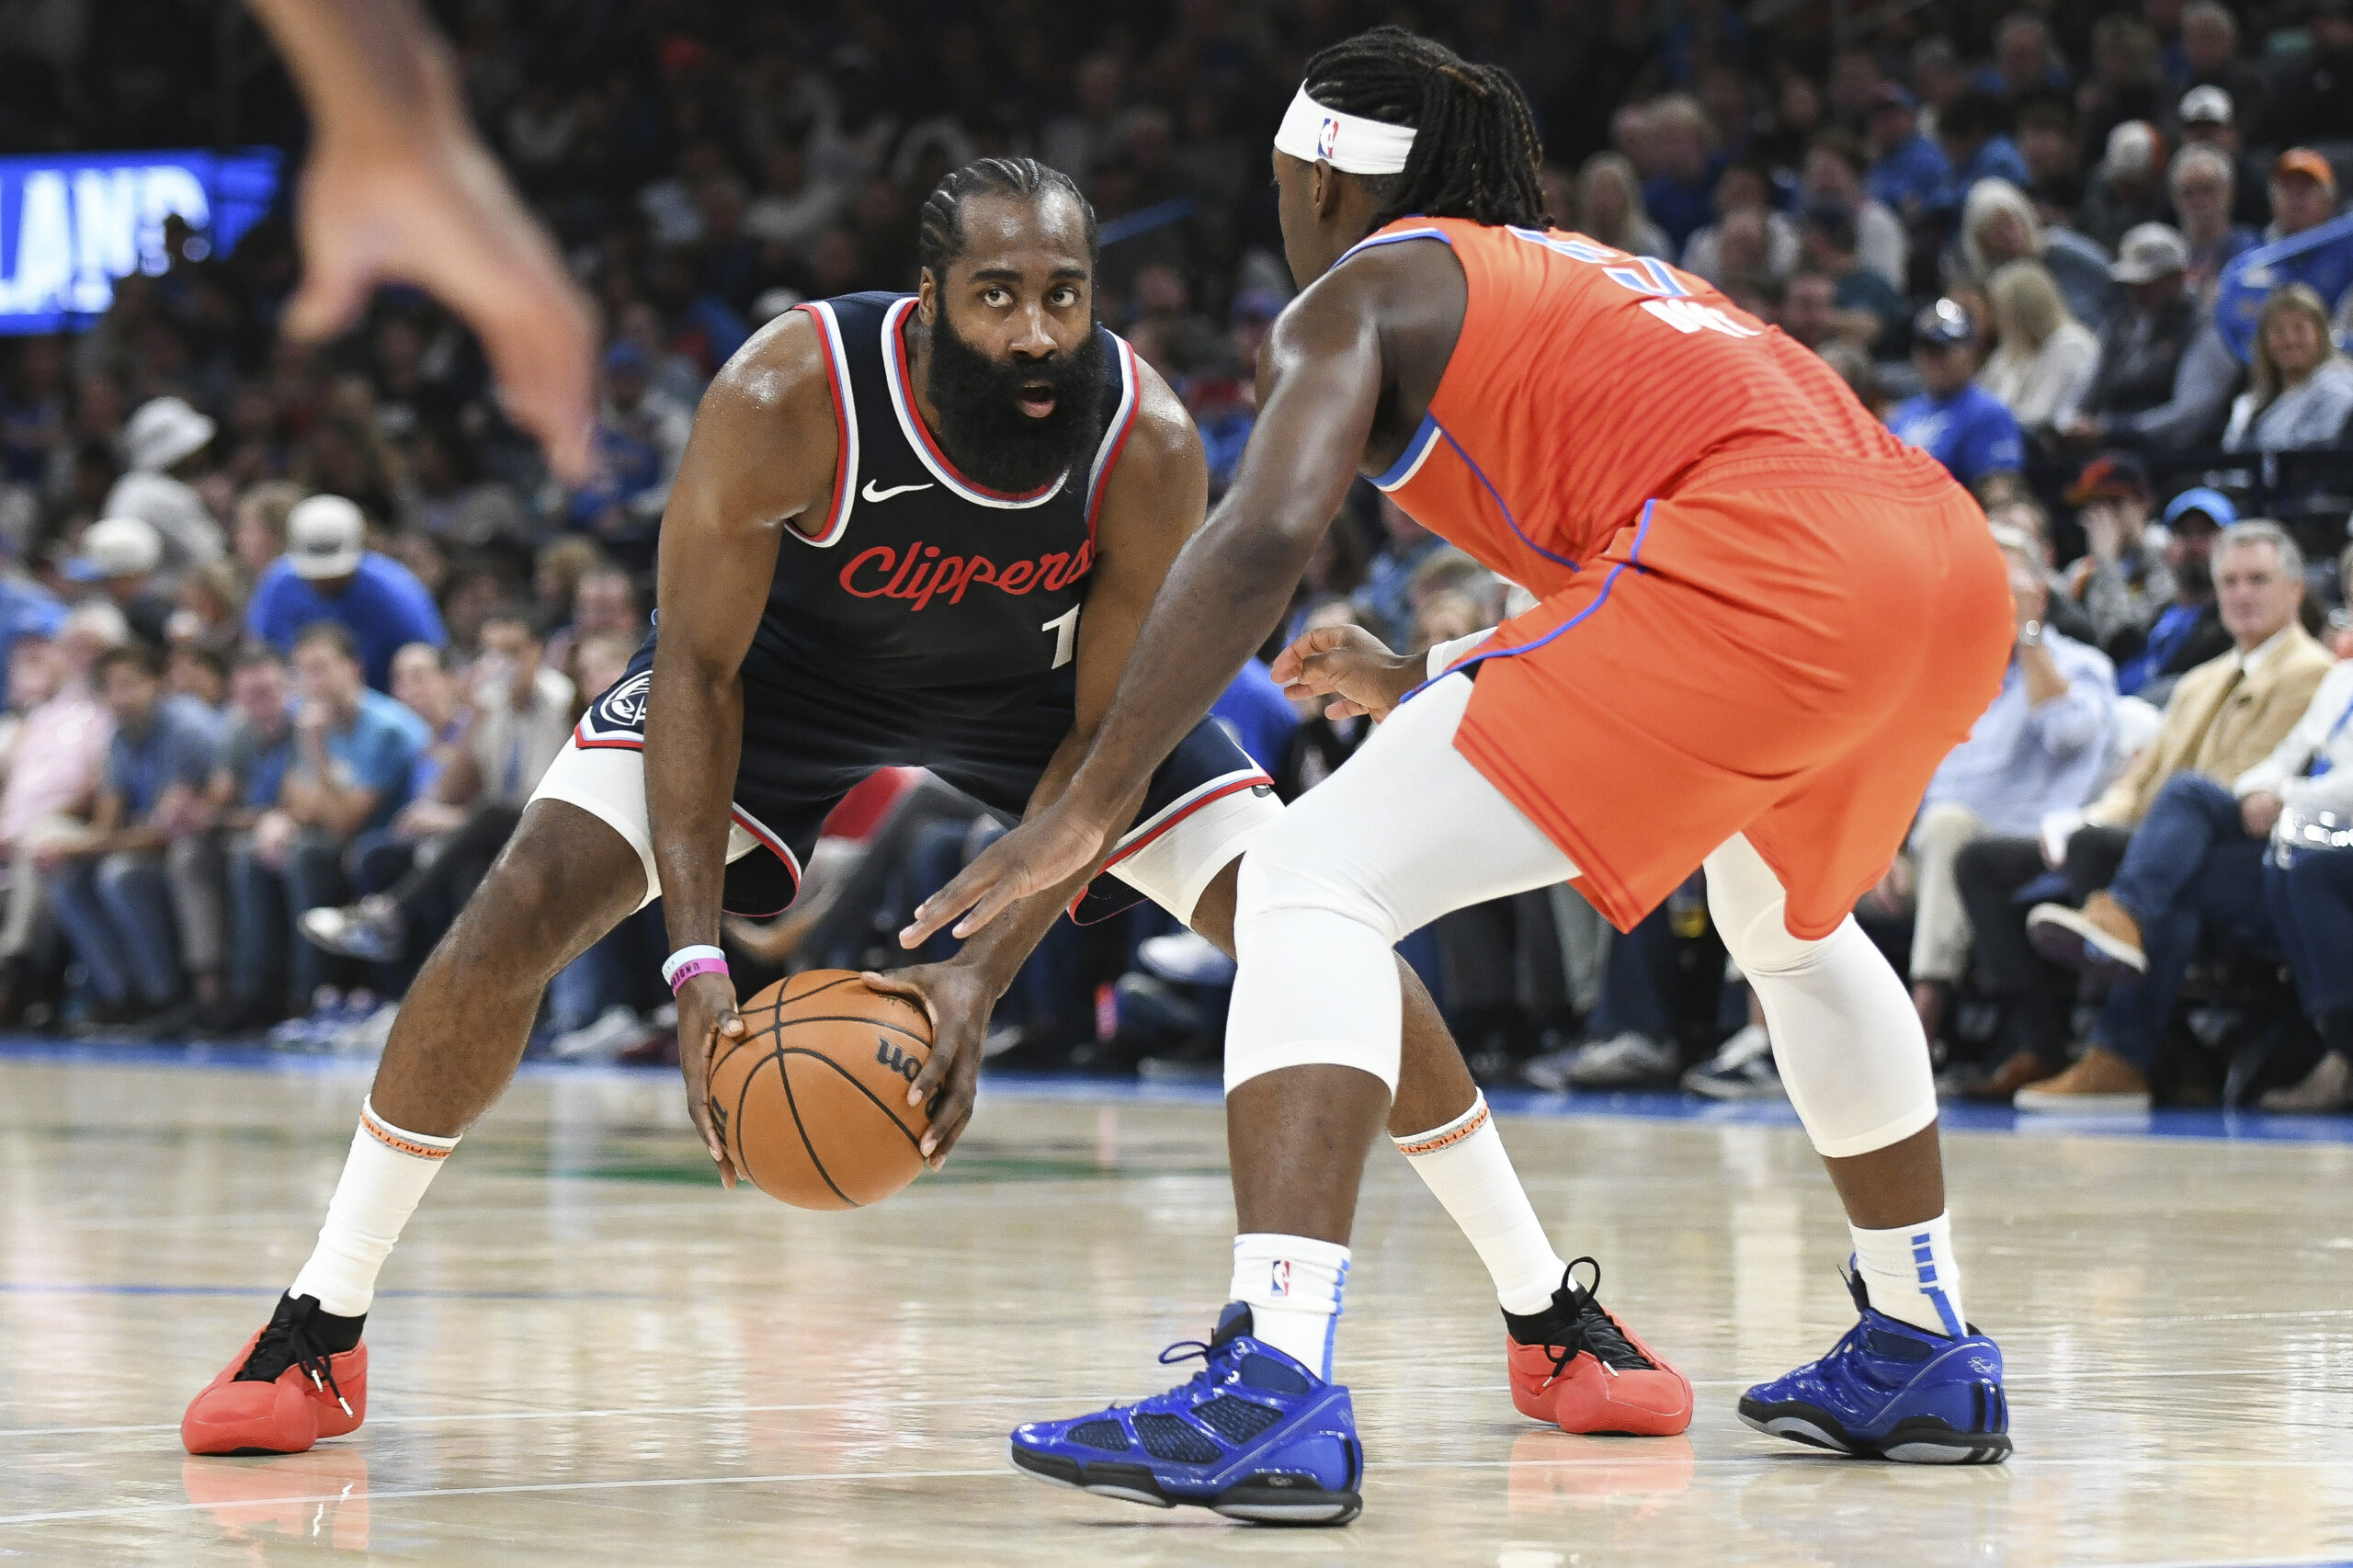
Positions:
(811, 1100)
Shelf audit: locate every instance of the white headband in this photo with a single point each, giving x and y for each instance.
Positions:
(1349, 142)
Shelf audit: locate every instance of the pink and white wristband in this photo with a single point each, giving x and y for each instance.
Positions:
(687, 962)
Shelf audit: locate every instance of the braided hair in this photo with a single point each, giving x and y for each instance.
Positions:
(1475, 154)
(939, 237)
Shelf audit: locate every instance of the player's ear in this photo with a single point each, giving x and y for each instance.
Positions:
(927, 298)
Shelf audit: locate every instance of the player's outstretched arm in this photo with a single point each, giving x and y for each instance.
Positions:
(398, 188)
(1223, 598)
(761, 454)
(1153, 503)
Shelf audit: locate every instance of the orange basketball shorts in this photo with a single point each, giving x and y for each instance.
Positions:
(1788, 654)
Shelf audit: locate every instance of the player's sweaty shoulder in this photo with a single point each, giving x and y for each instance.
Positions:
(765, 429)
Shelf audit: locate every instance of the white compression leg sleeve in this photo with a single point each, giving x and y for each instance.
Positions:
(1848, 1043)
(1404, 831)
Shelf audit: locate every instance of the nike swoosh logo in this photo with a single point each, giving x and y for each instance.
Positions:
(873, 495)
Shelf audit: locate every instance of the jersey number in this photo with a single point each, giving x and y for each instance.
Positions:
(1065, 629)
(1664, 295)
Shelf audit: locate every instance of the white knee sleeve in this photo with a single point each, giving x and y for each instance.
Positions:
(1845, 1035)
(1404, 831)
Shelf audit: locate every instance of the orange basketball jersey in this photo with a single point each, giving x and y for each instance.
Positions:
(1588, 382)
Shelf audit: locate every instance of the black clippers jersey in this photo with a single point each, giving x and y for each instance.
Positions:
(925, 593)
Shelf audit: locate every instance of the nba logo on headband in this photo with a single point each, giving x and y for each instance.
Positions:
(1328, 139)
(1315, 132)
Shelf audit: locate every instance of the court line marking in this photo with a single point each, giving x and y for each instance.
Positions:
(1006, 1472)
(457, 1418)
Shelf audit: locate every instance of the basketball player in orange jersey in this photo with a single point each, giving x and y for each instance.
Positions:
(908, 529)
(1762, 622)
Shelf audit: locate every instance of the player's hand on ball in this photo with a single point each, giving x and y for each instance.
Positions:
(1350, 665)
(958, 999)
(706, 1015)
(1044, 852)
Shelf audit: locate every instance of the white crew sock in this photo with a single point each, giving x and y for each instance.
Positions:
(1466, 1168)
(1910, 1274)
(387, 1172)
(1292, 1285)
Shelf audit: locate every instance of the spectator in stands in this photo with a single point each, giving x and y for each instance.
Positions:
(2301, 389)
(2310, 101)
(2053, 153)
(2166, 377)
(1953, 419)
(523, 717)
(2190, 631)
(1998, 225)
(2042, 746)
(1681, 196)
(1809, 310)
(259, 538)
(1385, 603)
(329, 573)
(1871, 311)
(164, 441)
(2193, 852)
(2210, 57)
(2202, 181)
(2025, 59)
(2128, 189)
(2303, 193)
(2043, 358)
(349, 772)
(641, 437)
(121, 555)
(1610, 208)
(110, 884)
(1833, 176)
(53, 774)
(1974, 132)
(1743, 197)
(2210, 120)
(604, 604)
(1908, 170)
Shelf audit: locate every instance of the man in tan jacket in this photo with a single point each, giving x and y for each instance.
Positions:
(2226, 717)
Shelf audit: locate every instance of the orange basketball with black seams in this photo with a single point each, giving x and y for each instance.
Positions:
(812, 1100)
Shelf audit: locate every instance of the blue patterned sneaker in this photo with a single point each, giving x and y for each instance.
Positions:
(1254, 1435)
(1893, 1392)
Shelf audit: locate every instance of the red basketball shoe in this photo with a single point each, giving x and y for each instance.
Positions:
(1576, 1365)
(302, 1378)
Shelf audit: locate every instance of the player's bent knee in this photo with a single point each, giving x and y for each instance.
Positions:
(1287, 871)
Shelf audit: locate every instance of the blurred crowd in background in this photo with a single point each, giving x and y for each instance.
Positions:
(291, 633)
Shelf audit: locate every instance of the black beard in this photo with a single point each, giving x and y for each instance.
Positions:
(982, 426)
(2194, 578)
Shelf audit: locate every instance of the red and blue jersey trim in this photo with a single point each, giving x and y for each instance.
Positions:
(1115, 436)
(895, 370)
(837, 383)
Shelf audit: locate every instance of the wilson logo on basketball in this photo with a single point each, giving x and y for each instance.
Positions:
(896, 1059)
(924, 574)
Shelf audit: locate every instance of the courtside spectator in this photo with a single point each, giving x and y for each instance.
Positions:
(328, 573)
(109, 885)
(2043, 358)
(2308, 885)
(1953, 419)
(165, 442)
(349, 772)
(2300, 390)
(54, 772)
(2190, 631)
(2194, 853)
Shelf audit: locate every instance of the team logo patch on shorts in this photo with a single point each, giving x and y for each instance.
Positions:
(618, 718)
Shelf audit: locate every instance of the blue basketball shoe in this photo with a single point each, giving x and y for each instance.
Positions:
(1893, 1392)
(1254, 1435)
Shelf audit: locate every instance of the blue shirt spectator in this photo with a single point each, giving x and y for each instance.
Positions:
(1254, 709)
(377, 751)
(327, 573)
(1910, 168)
(27, 610)
(2026, 759)
(178, 747)
(1970, 432)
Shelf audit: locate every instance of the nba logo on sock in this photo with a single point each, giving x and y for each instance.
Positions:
(1280, 1282)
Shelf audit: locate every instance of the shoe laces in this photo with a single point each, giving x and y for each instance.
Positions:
(1591, 1331)
(292, 1340)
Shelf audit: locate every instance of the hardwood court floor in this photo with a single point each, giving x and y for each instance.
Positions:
(586, 1352)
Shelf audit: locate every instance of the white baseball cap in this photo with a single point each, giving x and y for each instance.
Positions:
(117, 547)
(325, 536)
(162, 432)
(2206, 105)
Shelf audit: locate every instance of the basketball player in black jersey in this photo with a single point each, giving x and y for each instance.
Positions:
(907, 530)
